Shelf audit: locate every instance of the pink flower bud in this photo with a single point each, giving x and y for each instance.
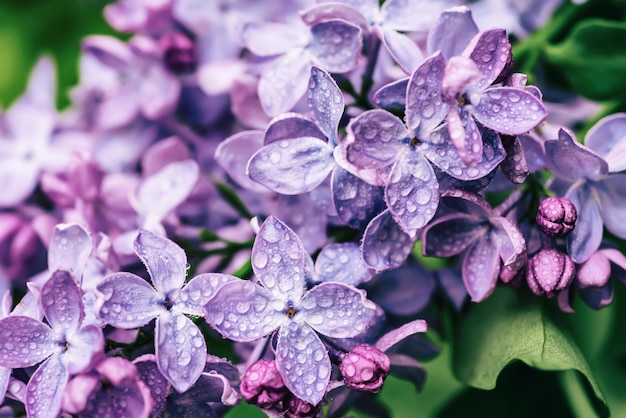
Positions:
(262, 385)
(297, 408)
(549, 271)
(556, 216)
(365, 368)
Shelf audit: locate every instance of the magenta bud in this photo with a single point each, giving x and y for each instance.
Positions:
(179, 53)
(262, 385)
(549, 271)
(556, 216)
(297, 408)
(365, 368)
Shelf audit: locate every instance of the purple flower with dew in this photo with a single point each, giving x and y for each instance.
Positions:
(142, 16)
(246, 311)
(333, 45)
(549, 271)
(583, 176)
(65, 345)
(113, 388)
(487, 239)
(128, 301)
(341, 263)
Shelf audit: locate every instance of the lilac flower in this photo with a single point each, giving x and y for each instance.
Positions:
(365, 368)
(66, 346)
(246, 311)
(584, 177)
(143, 16)
(488, 239)
(593, 276)
(128, 301)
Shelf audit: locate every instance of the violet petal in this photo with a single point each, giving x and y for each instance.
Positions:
(166, 261)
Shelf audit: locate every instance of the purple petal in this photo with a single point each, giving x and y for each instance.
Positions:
(460, 74)
(465, 135)
(514, 165)
(278, 260)
(149, 373)
(199, 290)
(18, 179)
(453, 31)
(292, 125)
(453, 287)
(451, 234)
(512, 243)
(342, 263)
(491, 51)
(586, 236)
(108, 50)
(608, 139)
(336, 45)
(83, 347)
(612, 194)
(273, 38)
(326, 101)
(509, 110)
(44, 392)
(598, 297)
(5, 373)
(481, 267)
(284, 82)
(534, 152)
(425, 108)
(412, 193)
(303, 362)
(356, 201)
(411, 15)
(244, 311)
(333, 10)
(402, 49)
(62, 302)
(407, 368)
(404, 291)
(129, 301)
(392, 96)
(373, 141)
(395, 336)
(165, 260)
(595, 272)
(25, 342)
(180, 350)
(385, 245)
(233, 154)
(572, 161)
(158, 93)
(69, 249)
(305, 218)
(292, 166)
(337, 310)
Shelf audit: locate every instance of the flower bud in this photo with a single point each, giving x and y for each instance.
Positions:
(549, 271)
(179, 54)
(365, 368)
(297, 408)
(556, 216)
(262, 385)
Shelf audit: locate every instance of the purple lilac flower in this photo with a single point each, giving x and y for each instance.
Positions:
(65, 345)
(246, 311)
(585, 178)
(128, 301)
(556, 216)
(142, 16)
(487, 239)
(549, 271)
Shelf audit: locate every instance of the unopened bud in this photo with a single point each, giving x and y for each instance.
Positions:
(365, 368)
(556, 216)
(262, 385)
(179, 53)
(549, 271)
(297, 408)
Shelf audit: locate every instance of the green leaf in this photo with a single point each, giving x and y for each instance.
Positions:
(230, 196)
(592, 58)
(508, 327)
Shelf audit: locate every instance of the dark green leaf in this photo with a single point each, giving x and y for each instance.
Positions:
(231, 197)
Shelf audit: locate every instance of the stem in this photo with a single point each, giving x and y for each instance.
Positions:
(509, 202)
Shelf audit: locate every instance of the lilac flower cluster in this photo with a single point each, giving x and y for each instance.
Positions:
(267, 172)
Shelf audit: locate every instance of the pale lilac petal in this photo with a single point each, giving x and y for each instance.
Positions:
(245, 103)
(25, 342)
(162, 153)
(180, 350)
(481, 267)
(404, 291)
(612, 194)
(326, 101)
(336, 310)
(385, 245)
(69, 249)
(572, 161)
(305, 218)
(425, 108)
(512, 243)
(163, 191)
(509, 110)
(44, 392)
(402, 49)
(393, 337)
(453, 31)
(110, 51)
(412, 193)
(284, 82)
(165, 260)
(491, 51)
(233, 154)
(62, 302)
(158, 92)
(465, 135)
(595, 272)
(244, 311)
(292, 125)
(450, 234)
(607, 138)
(118, 108)
(292, 166)
(303, 362)
(199, 290)
(514, 165)
(278, 260)
(356, 201)
(18, 179)
(336, 45)
(342, 263)
(83, 347)
(129, 301)
(41, 89)
(460, 74)
(392, 96)
(585, 238)
(273, 38)
(334, 10)
(5, 373)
